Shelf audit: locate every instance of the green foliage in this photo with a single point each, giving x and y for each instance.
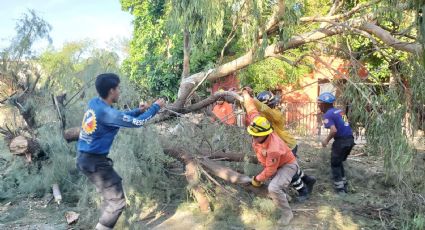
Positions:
(155, 56)
(271, 73)
(156, 51)
(264, 206)
(29, 29)
(15, 60)
(384, 112)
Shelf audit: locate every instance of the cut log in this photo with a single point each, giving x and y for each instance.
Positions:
(19, 145)
(71, 134)
(71, 217)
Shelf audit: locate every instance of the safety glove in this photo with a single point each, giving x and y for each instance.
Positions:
(255, 182)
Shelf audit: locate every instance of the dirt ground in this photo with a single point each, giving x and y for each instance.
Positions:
(367, 205)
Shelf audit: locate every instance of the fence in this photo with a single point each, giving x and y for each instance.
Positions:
(302, 118)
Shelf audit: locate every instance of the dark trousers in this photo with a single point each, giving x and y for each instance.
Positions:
(300, 179)
(99, 170)
(341, 148)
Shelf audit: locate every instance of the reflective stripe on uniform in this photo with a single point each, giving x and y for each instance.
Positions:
(339, 184)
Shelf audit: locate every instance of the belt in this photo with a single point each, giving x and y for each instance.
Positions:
(92, 155)
(343, 138)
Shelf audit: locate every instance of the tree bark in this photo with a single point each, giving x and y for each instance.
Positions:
(233, 156)
(387, 38)
(71, 134)
(186, 53)
(223, 172)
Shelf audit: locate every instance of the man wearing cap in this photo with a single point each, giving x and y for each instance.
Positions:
(280, 165)
(342, 134)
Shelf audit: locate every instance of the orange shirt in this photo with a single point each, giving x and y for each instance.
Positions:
(224, 112)
(273, 152)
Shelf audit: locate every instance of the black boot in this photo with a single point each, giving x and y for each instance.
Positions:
(309, 181)
(303, 194)
(339, 187)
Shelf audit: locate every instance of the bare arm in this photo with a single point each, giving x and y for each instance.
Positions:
(331, 135)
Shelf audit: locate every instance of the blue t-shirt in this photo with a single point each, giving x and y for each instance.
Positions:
(101, 123)
(334, 117)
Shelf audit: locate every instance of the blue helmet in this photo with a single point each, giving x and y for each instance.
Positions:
(326, 97)
(268, 98)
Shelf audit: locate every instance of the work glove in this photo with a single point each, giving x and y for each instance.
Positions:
(255, 182)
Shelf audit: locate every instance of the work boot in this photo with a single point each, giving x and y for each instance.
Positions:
(100, 226)
(309, 181)
(286, 218)
(303, 194)
(339, 187)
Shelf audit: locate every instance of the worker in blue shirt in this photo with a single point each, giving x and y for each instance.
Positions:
(342, 134)
(99, 127)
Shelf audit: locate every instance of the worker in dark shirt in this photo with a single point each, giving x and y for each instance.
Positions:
(100, 125)
(342, 134)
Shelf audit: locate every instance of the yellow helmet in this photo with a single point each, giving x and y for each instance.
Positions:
(259, 127)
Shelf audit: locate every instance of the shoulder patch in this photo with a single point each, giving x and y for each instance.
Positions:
(89, 124)
(126, 118)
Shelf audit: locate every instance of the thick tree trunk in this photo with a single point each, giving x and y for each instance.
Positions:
(186, 53)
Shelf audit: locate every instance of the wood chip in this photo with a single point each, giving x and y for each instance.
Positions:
(71, 217)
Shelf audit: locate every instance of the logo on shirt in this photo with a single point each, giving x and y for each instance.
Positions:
(325, 121)
(89, 122)
(345, 119)
(126, 118)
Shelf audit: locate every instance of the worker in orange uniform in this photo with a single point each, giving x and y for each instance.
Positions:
(280, 164)
(266, 104)
(224, 112)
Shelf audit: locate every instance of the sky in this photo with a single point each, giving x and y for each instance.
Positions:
(71, 20)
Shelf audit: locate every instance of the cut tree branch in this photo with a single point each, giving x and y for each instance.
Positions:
(337, 17)
(387, 38)
(211, 99)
